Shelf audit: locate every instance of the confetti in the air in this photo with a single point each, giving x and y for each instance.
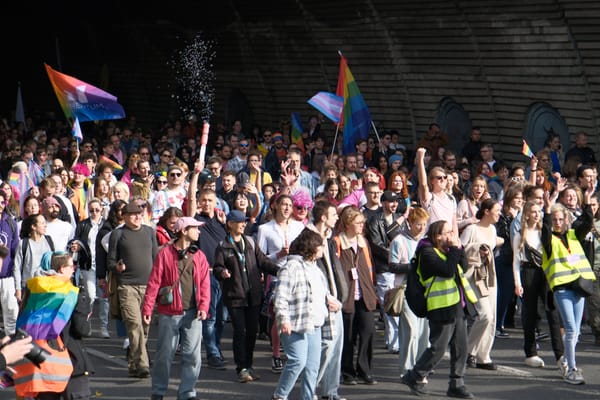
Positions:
(194, 75)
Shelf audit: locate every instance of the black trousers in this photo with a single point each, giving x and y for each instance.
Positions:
(358, 327)
(536, 289)
(444, 334)
(244, 321)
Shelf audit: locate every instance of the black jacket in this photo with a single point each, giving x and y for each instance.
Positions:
(256, 263)
(338, 271)
(77, 328)
(380, 235)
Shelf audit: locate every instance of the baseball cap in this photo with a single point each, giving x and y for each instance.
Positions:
(388, 195)
(236, 216)
(132, 208)
(185, 222)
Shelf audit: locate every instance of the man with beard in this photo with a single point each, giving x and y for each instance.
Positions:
(277, 153)
(60, 231)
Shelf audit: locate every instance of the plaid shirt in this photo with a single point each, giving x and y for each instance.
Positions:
(293, 299)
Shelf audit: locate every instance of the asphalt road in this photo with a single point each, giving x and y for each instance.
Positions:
(513, 380)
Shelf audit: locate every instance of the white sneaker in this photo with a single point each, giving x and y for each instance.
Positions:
(574, 377)
(104, 333)
(126, 343)
(563, 367)
(534, 362)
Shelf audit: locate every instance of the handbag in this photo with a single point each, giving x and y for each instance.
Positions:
(393, 301)
(584, 286)
(165, 293)
(114, 306)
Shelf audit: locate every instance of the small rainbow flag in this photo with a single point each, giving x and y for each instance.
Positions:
(526, 149)
(114, 165)
(296, 133)
(49, 306)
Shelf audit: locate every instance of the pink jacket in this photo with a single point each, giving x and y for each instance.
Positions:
(164, 273)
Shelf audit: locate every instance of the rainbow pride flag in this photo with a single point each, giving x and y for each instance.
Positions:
(297, 131)
(82, 100)
(355, 114)
(114, 165)
(49, 306)
(526, 150)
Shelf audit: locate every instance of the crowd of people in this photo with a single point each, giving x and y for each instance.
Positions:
(296, 243)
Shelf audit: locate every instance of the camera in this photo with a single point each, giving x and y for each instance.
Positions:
(37, 355)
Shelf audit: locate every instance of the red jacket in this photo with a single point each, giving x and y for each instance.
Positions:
(164, 273)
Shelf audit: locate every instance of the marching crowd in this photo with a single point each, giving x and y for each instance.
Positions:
(290, 242)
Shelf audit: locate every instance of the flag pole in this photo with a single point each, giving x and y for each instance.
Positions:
(337, 128)
(376, 133)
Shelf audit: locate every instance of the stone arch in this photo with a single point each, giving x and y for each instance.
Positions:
(453, 120)
(542, 118)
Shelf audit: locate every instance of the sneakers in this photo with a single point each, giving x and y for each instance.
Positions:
(471, 361)
(215, 363)
(349, 380)
(143, 373)
(534, 362)
(255, 376)
(416, 388)
(502, 334)
(126, 343)
(104, 334)
(540, 335)
(244, 376)
(459, 393)
(574, 377)
(563, 367)
(487, 366)
(276, 365)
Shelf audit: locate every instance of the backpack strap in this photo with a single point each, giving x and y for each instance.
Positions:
(50, 242)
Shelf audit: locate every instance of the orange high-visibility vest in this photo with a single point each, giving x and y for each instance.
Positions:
(52, 376)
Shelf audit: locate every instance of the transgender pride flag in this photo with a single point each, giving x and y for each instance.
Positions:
(82, 100)
(329, 104)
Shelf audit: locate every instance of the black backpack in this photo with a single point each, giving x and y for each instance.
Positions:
(415, 292)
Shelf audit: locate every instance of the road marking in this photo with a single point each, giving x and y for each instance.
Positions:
(514, 371)
(107, 357)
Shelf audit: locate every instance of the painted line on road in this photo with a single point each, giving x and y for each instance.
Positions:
(107, 357)
(514, 371)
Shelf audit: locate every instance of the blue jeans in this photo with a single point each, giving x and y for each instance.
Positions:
(570, 306)
(331, 359)
(304, 355)
(212, 329)
(385, 282)
(173, 329)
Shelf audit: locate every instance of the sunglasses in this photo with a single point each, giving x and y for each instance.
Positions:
(165, 155)
(175, 175)
(244, 145)
(440, 177)
(95, 210)
(161, 182)
(300, 208)
(2, 203)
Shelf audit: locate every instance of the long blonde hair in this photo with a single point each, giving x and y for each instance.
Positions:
(538, 226)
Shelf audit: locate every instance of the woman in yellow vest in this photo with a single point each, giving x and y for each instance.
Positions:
(563, 263)
(448, 296)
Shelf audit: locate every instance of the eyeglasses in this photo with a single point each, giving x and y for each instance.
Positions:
(175, 174)
(440, 177)
(95, 210)
(300, 208)
(244, 145)
(165, 155)
(161, 182)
